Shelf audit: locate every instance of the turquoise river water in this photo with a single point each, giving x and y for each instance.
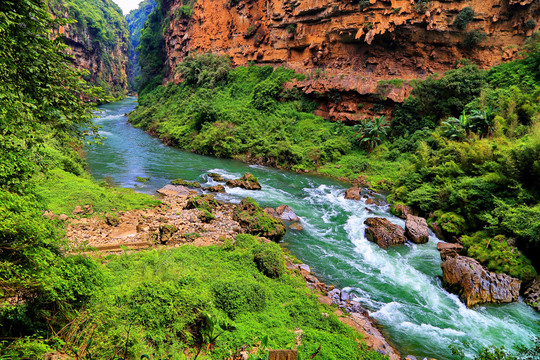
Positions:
(400, 286)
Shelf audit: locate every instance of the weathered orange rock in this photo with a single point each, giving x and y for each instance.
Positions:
(347, 52)
(476, 285)
(354, 193)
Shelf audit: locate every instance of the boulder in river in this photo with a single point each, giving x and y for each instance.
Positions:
(476, 285)
(296, 226)
(216, 188)
(384, 233)
(248, 182)
(216, 177)
(285, 213)
(416, 229)
(354, 193)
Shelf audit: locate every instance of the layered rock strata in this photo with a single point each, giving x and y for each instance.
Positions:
(352, 52)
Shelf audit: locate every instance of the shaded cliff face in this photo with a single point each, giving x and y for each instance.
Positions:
(136, 19)
(98, 41)
(352, 51)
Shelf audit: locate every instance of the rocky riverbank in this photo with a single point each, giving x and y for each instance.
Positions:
(179, 221)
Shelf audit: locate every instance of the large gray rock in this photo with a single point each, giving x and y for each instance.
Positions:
(285, 213)
(384, 233)
(416, 229)
(476, 285)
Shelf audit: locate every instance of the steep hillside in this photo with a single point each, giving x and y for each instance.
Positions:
(136, 19)
(351, 48)
(98, 41)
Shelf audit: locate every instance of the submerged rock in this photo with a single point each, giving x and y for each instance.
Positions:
(354, 193)
(416, 229)
(296, 226)
(248, 182)
(384, 233)
(476, 285)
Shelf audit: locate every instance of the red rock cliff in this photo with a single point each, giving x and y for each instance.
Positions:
(347, 47)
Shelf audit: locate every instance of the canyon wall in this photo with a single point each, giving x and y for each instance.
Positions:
(98, 40)
(353, 52)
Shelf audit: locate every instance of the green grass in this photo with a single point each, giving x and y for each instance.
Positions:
(61, 192)
(175, 301)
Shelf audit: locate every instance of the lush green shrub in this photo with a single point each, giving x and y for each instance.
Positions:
(235, 296)
(498, 256)
(246, 241)
(473, 38)
(205, 70)
(463, 18)
(269, 260)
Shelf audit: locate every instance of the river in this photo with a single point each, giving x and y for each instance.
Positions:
(400, 286)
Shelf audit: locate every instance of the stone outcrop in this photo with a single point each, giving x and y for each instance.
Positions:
(351, 52)
(449, 250)
(531, 295)
(476, 285)
(416, 229)
(248, 182)
(401, 210)
(257, 222)
(384, 233)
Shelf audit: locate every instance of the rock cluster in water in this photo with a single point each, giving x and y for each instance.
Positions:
(248, 182)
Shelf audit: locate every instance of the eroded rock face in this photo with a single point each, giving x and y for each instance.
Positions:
(384, 233)
(248, 182)
(449, 250)
(531, 295)
(346, 48)
(476, 285)
(416, 229)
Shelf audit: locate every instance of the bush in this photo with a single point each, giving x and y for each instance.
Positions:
(498, 256)
(269, 259)
(473, 38)
(205, 70)
(463, 18)
(235, 296)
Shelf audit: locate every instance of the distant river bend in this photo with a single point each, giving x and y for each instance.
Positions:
(400, 285)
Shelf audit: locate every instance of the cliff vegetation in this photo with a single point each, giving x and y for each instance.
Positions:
(463, 149)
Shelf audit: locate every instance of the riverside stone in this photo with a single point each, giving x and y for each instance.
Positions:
(384, 233)
(476, 285)
(416, 229)
(531, 295)
(248, 182)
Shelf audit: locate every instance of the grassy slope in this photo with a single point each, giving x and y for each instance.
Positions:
(174, 302)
